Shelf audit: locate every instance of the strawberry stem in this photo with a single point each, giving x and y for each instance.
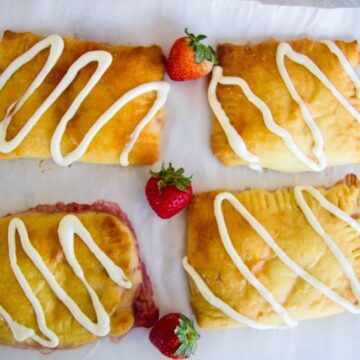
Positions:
(202, 52)
(170, 176)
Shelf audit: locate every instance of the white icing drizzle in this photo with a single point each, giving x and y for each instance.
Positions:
(162, 89)
(20, 332)
(68, 227)
(265, 235)
(56, 45)
(235, 140)
(221, 305)
(104, 60)
(345, 264)
(345, 64)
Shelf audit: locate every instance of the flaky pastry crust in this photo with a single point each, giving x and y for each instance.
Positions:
(131, 66)
(112, 232)
(256, 64)
(278, 212)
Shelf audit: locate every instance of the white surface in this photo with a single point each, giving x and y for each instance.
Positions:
(317, 3)
(186, 143)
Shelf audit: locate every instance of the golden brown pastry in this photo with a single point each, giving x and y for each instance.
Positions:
(277, 113)
(298, 274)
(124, 69)
(122, 302)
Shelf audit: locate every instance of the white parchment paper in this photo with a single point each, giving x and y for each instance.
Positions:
(25, 183)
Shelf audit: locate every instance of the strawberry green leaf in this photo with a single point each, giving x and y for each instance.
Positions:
(200, 37)
(189, 34)
(170, 176)
(210, 55)
(188, 337)
(200, 56)
(202, 52)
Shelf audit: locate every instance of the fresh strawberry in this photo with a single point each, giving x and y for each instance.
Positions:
(190, 59)
(168, 191)
(175, 336)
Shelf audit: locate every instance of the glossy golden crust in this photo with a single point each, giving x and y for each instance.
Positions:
(278, 213)
(257, 65)
(112, 235)
(131, 67)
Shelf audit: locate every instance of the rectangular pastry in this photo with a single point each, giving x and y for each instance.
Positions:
(69, 275)
(81, 100)
(268, 259)
(287, 106)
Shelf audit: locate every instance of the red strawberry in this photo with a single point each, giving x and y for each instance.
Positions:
(189, 59)
(168, 191)
(175, 336)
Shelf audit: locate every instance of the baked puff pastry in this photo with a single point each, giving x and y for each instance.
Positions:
(268, 259)
(284, 106)
(80, 100)
(69, 275)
